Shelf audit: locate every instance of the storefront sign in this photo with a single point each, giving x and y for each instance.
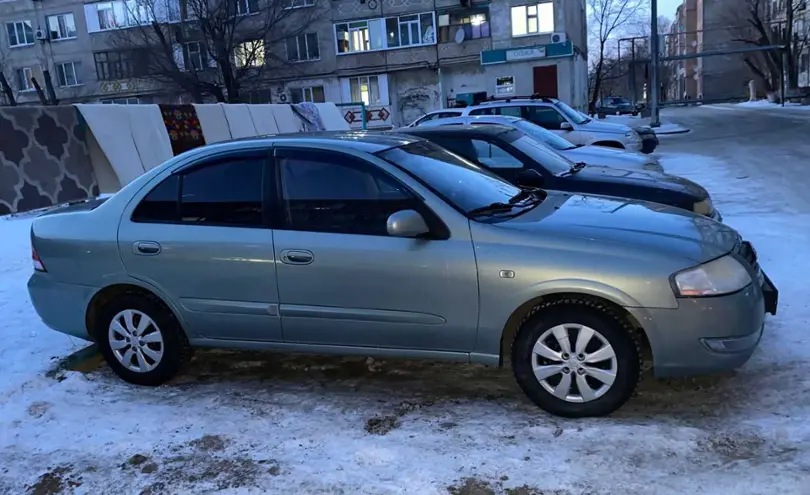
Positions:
(525, 53)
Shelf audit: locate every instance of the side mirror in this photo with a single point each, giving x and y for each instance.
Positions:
(530, 177)
(566, 126)
(406, 223)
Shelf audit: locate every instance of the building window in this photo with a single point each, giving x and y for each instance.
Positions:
(249, 54)
(67, 74)
(474, 23)
(245, 7)
(533, 19)
(133, 100)
(410, 30)
(381, 34)
(20, 33)
(24, 77)
(303, 47)
(111, 66)
(193, 52)
(312, 94)
(104, 16)
(297, 4)
(61, 27)
(365, 89)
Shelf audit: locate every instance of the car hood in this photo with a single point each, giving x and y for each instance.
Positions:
(646, 226)
(602, 155)
(596, 126)
(657, 180)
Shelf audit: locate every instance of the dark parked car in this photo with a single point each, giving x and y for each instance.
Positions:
(525, 161)
(616, 105)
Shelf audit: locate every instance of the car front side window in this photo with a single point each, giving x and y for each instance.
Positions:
(226, 192)
(546, 117)
(330, 194)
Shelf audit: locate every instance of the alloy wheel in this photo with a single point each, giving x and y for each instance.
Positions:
(575, 363)
(136, 341)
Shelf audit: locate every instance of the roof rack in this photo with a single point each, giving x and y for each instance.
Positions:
(535, 96)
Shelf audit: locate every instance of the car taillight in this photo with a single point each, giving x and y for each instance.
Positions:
(38, 266)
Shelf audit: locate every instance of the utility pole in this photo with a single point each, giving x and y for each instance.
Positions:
(654, 122)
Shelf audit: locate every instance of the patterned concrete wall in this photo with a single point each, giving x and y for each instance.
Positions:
(43, 158)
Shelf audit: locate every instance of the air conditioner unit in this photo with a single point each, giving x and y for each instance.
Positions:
(41, 34)
(558, 37)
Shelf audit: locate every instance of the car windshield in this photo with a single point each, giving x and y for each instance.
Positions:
(458, 181)
(572, 114)
(618, 100)
(543, 135)
(539, 152)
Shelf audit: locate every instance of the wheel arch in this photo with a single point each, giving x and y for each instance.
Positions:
(528, 308)
(609, 144)
(108, 293)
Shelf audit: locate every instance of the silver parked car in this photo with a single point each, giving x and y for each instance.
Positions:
(600, 156)
(388, 245)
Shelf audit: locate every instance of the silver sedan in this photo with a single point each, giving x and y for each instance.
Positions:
(387, 245)
(600, 156)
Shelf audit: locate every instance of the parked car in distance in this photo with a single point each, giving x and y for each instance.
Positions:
(388, 245)
(616, 105)
(561, 119)
(444, 113)
(523, 161)
(592, 155)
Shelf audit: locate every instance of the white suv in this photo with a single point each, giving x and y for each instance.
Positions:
(555, 116)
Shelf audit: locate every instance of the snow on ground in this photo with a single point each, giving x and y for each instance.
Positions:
(264, 423)
(665, 127)
(763, 104)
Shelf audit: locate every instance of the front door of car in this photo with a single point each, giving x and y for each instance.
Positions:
(344, 281)
(554, 121)
(200, 237)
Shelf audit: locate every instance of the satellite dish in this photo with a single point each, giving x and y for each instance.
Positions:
(460, 36)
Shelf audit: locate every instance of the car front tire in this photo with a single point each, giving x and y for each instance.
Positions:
(576, 358)
(141, 339)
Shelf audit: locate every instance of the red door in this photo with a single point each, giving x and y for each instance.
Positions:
(545, 81)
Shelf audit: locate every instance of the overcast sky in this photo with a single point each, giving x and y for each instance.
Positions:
(667, 8)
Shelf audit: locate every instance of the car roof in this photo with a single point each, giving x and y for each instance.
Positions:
(471, 118)
(468, 130)
(366, 141)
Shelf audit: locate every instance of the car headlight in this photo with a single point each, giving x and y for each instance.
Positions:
(722, 276)
(704, 207)
(653, 167)
(632, 136)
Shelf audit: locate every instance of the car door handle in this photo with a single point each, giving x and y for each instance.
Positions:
(146, 248)
(297, 257)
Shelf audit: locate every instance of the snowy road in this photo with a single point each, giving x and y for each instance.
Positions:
(263, 423)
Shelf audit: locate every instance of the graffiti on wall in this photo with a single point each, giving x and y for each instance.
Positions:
(43, 158)
(415, 102)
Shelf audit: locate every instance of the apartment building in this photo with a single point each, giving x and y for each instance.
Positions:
(682, 40)
(401, 58)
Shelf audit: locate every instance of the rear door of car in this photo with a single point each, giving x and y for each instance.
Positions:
(344, 281)
(202, 238)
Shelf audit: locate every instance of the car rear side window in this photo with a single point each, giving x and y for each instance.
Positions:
(227, 192)
(330, 195)
(160, 205)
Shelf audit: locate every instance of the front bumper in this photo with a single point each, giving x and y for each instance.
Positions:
(709, 334)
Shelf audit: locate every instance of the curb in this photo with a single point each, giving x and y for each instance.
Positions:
(668, 133)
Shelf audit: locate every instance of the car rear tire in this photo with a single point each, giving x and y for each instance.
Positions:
(141, 339)
(574, 379)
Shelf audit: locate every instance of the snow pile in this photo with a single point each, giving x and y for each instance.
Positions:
(758, 104)
(264, 423)
(629, 120)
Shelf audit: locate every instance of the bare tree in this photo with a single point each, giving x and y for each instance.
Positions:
(608, 19)
(5, 86)
(763, 27)
(206, 48)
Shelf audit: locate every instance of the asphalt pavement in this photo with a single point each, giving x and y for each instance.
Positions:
(769, 146)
